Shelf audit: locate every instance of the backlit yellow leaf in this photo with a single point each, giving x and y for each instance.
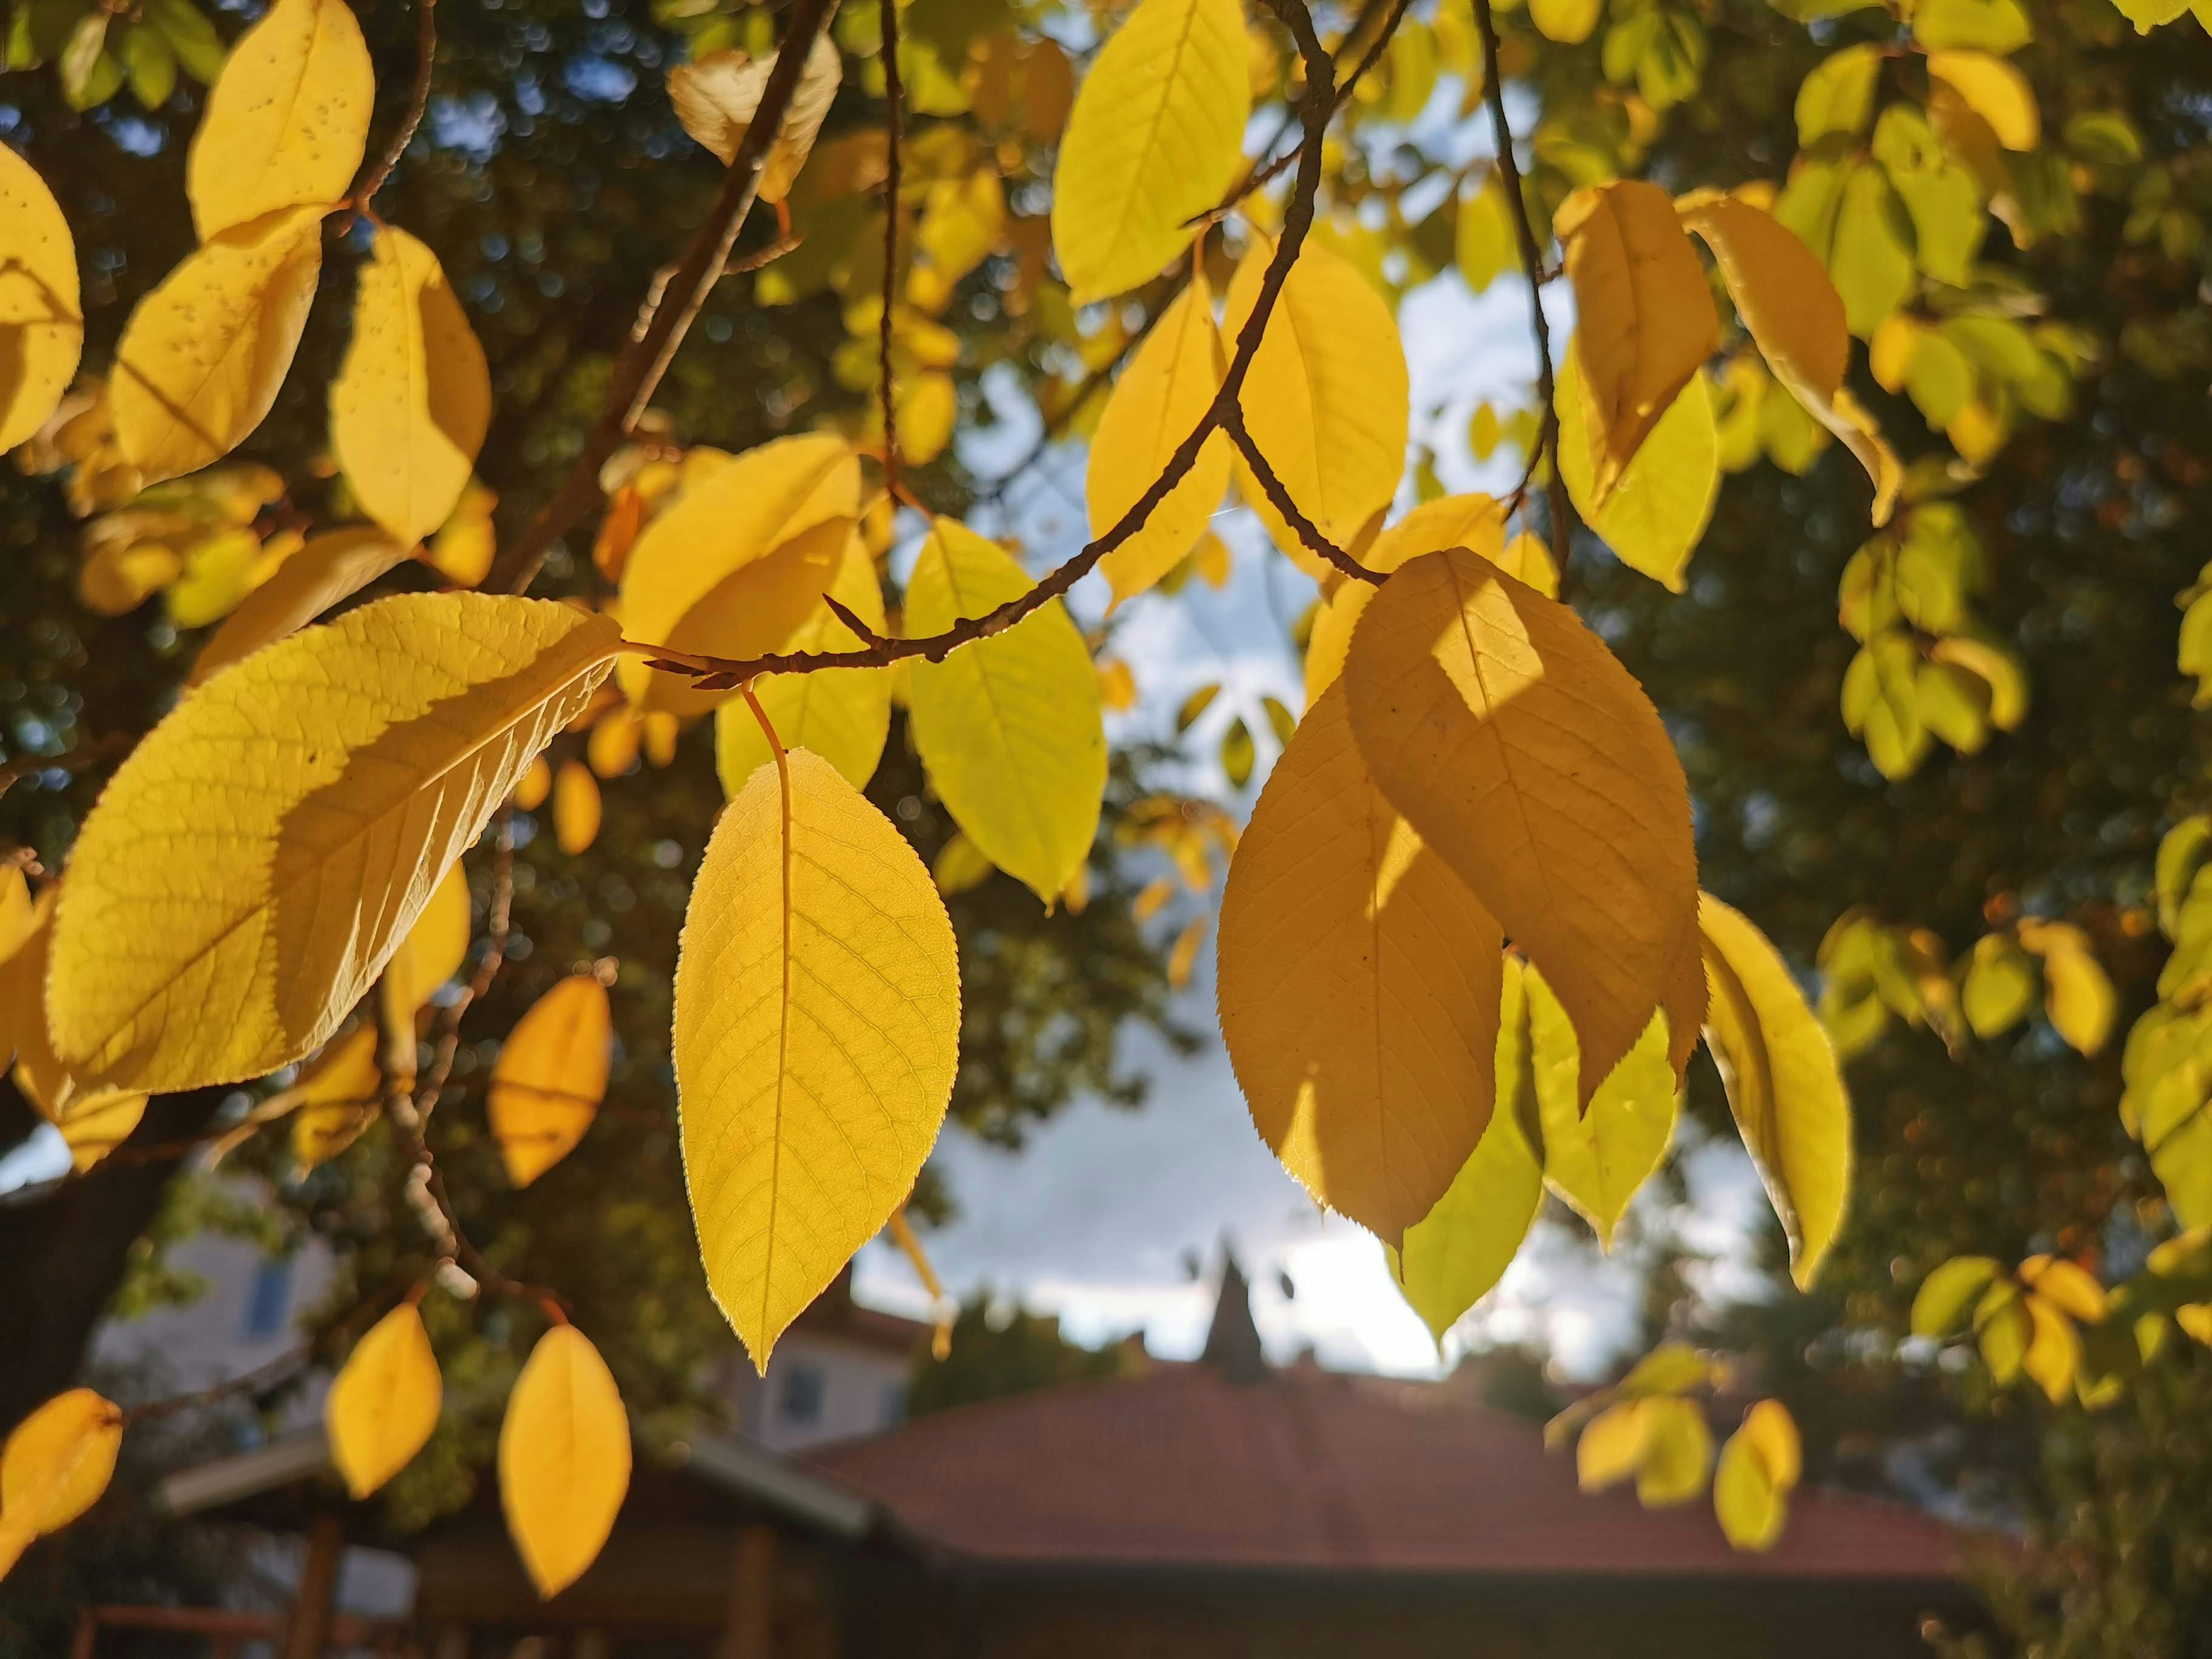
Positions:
(563, 1459)
(1011, 727)
(434, 950)
(1473, 522)
(2068, 1286)
(203, 355)
(251, 865)
(616, 736)
(1785, 298)
(58, 1462)
(41, 324)
(2077, 996)
(1611, 1445)
(383, 1405)
(576, 807)
(1664, 499)
(818, 1023)
(1155, 137)
(1644, 317)
(717, 97)
(1453, 1255)
(1567, 22)
(550, 1076)
(337, 1097)
(740, 562)
(328, 569)
(1521, 750)
(1994, 90)
(1759, 1467)
(409, 409)
(287, 121)
(2054, 1348)
(96, 1124)
(1358, 988)
(1598, 1158)
(1783, 1084)
(1155, 406)
(536, 783)
(1326, 397)
(1678, 1452)
(843, 714)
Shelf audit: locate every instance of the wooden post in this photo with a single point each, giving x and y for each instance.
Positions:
(309, 1631)
(750, 1633)
(88, 1634)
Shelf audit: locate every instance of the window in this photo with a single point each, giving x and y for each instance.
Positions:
(803, 1388)
(269, 1301)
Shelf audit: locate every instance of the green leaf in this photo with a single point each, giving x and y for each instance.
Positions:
(1664, 499)
(1837, 97)
(1998, 26)
(1597, 1160)
(1940, 197)
(1872, 257)
(2001, 986)
(1882, 704)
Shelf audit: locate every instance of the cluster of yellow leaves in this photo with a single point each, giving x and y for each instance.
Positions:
(2023, 1321)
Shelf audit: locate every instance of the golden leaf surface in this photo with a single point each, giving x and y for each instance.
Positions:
(1598, 1157)
(1664, 499)
(1473, 522)
(717, 97)
(383, 1405)
(287, 121)
(817, 1026)
(550, 1077)
(41, 315)
(564, 1459)
(330, 568)
(57, 1464)
(254, 862)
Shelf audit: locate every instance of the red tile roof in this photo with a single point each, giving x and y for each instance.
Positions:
(1309, 1469)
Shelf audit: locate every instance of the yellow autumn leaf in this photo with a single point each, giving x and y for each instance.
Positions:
(1678, 1452)
(1521, 750)
(1598, 1157)
(2053, 1356)
(576, 808)
(1156, 137)
(1453, 1255)
(1473, 521)
(1011, 728)
(717, 97)
(843, 714)
(550, 1077)
(410, 407)
(1156, 404)
(1994, 90)
(433, 952)
(1783, 1084)
(536, 783)
(1644, 317)
(740, 562)
(330, 568)
(1326, 397)
(287, 121)
(616, 736)
(95, 1125)
(19, 916)
(1359, 988)
(93, 1122)
(1611, 1445)
(57, 1464)
(41, 319)
(2077, 996)
(337, 1097)
(383, 1405)
(564, 1459)
(1664, 499)
(203, 355)
(1567, 22)
(257, 858)
(1795, 317)
(1759, 1467)
(2066, 1287)
(818, 1023)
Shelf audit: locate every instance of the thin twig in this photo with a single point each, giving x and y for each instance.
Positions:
(260, 1380)
(426, 51)
(100, 748)
(645, 357)
(1262, 176)
(1279, 496)
(892, 95)
(1532, 263)
(495, 925)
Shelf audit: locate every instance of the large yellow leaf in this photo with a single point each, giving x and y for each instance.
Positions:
(1664, 499)
(1598, 1157)
(1155, 406)
(409, 409)
(58, 1462)
(1325, 400)
(1644, 317)
(1471, 521)
(203, 356)
(1359, 987)
(817, 1026)
(1011, 727)
(1783, 1084)
(41, 323)
(843, 714)
(1453, 1255)
(550, 1077)
(383, 1405)
(563, 1459)
(1784, 294)
(717, 97)
(330, 568)
(286, 120)
(1524, 753)
(740, 562)
(251, 865)
(1156, 135)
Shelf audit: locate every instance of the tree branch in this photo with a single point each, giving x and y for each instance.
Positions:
(425, 53)
(1532, 262)
(892, 95)
(665, 317)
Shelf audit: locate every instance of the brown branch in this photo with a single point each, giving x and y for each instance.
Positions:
(260, 1380)
(892, 95)
(426, 51)
(1532, 262)
(1260, 178)
(1308, 532)
(645, 357)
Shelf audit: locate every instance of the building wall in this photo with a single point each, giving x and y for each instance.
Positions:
(819, 1388)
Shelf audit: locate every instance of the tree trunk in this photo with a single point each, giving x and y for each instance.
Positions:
(63, 1251)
